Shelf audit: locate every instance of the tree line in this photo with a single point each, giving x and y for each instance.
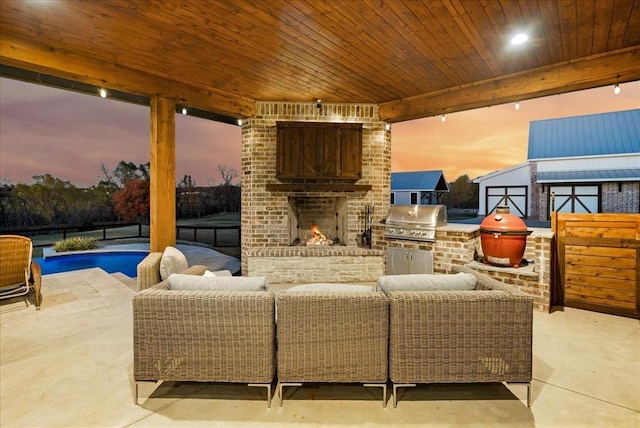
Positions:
(463, 193)
(121, 195)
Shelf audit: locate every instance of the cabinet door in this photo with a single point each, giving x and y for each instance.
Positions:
(288, 153)
(328, 141)
(308, 153)
(421, 261)
(397, 261)
(351, 153)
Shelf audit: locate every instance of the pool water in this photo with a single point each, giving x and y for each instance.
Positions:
(111, 262)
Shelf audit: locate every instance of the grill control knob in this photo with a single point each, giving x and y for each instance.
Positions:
(401, 231)
(391, 230)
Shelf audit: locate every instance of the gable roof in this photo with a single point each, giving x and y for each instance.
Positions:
(590, 135)
(419, 181)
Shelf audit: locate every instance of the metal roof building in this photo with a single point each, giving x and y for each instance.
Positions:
(417, 187)
(587, 163)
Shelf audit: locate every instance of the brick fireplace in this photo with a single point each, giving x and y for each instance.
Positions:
(273, 217)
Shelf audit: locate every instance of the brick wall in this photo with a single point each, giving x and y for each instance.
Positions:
(621, 197)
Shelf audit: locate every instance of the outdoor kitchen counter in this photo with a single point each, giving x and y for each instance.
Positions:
(470, 228)
(459, 227)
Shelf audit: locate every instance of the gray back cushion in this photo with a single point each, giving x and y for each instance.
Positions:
(217, 283)
(425, 282)
(333, 288)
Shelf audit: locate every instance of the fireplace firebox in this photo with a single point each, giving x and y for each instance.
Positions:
(317, 220)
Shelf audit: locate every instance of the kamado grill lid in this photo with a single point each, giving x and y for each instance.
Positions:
(503, 223)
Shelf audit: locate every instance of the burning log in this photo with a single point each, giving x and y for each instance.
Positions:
(317, 239)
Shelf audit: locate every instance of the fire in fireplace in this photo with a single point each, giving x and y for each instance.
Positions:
(316, 238)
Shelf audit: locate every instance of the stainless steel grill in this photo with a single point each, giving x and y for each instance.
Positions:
(415, 222)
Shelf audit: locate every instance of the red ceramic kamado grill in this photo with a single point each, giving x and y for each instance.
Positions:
(503, 237)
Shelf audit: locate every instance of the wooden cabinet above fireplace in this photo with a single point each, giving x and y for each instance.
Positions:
(319, 152)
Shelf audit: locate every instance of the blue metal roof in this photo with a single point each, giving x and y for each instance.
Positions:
(419, 181)
(591, 135)
(593, 175)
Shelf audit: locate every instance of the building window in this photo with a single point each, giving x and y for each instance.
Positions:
(574, 199)
(393, 198)
(414, 198)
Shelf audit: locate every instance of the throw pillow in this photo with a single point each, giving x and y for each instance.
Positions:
(172, 261)
(217, 283)
(217, 273)
(425, 282)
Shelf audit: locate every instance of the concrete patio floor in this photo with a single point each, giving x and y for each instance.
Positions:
(70, 365)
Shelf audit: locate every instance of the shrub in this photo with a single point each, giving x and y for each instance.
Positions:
(76, 243)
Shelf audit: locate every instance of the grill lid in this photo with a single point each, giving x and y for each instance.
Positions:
(417, 215)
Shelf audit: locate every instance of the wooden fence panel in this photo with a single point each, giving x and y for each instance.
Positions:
(598, 257)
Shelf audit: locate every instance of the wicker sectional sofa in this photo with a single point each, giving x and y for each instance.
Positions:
(339, 334)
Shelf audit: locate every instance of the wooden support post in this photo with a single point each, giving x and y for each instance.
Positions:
(162, 168)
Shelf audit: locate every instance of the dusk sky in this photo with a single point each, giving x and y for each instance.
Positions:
(45, 130)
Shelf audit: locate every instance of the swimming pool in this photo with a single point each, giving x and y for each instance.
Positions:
(111, 262)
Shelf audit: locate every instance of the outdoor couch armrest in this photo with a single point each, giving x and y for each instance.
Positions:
(485, 282)
(207, 336)
(148, 270)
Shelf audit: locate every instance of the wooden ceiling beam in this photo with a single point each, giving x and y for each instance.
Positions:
(585, 73)
(45, 59)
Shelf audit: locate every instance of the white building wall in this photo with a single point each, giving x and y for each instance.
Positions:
(404, 198)
(518, 175)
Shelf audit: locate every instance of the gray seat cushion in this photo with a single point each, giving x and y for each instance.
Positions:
(426, 282)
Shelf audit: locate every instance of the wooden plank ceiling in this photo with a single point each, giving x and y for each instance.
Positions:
(413, 58)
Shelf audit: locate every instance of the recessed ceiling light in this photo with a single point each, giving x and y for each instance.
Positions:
(519, 39)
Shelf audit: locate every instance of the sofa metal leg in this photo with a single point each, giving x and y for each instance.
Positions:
(384, 391)
(281, 386)
(264, 385)
(137, 388)
(395, 391)
(528, 385)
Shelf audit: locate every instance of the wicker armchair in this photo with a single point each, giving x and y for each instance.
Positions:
(481, 335)
(18, 272)
(204, 336)
(338, 337)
